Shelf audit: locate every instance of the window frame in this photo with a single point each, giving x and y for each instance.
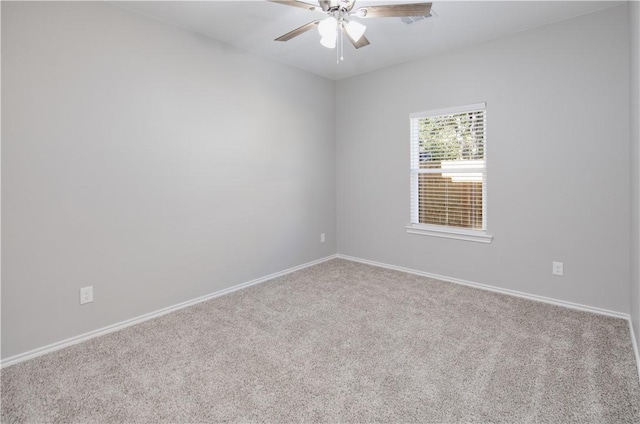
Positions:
(444, 231)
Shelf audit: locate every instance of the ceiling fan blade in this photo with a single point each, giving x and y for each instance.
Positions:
(357, 44)
(301, 4)
(304, 28)
(394, 10)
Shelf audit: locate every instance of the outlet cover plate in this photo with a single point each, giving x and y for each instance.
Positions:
(558, 269)
(86, 295)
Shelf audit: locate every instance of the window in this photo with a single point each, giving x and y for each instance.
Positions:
(448, 173)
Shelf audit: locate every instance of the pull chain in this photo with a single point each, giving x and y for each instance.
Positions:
(337, 48)
(339, 55)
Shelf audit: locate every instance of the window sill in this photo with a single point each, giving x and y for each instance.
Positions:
(450, 233)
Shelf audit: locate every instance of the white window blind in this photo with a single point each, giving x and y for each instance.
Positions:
(448, 169)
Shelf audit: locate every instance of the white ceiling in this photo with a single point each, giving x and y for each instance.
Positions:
(253, 25)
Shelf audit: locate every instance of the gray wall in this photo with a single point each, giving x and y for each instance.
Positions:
(158, 165)
(151, 163)
(634, 15)
(558, 166)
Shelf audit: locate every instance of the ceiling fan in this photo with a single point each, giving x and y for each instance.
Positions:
(338, 24)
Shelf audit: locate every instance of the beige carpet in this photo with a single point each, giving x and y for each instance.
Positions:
(341, 342)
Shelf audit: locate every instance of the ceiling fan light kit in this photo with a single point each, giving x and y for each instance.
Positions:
(329, 41)
(337, 24)
(329, 27)
(355, 29)
(328, 32)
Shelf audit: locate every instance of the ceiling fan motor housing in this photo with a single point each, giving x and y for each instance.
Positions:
(343, 5)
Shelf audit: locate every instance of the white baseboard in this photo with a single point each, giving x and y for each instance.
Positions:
(634, 342)
(120, 325)
(492, 288)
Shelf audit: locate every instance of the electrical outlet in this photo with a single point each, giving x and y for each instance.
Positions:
(558, 268)
(86, 295)
(322, 238)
